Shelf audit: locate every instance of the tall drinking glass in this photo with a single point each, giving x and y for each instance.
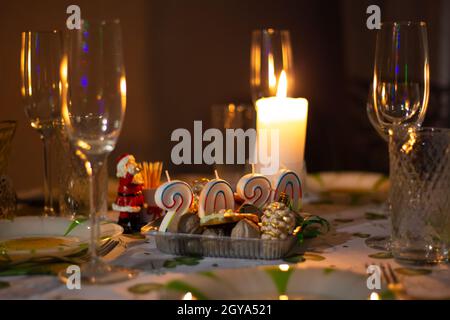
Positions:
(420, 185)
(93, 109)
(40, 88)
(270, 55)
(401, 79)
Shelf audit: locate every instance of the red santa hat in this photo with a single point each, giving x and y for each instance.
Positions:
(123, 159)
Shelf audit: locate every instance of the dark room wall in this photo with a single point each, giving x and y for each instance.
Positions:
(183, 56)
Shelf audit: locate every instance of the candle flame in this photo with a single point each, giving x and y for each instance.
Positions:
(282, 85)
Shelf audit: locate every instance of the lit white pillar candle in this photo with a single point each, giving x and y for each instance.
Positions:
(289, 116)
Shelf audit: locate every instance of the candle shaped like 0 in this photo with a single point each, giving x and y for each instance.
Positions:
(216, 195)
(288, 182)
(254, 189)
(175, 197)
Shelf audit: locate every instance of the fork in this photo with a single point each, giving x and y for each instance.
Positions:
(390, 277)
(104, 249)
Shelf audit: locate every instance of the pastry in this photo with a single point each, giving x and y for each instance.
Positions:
(186, 223)
(225, 217)
(246, 229)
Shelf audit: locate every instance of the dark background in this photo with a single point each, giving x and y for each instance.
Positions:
(183, 56)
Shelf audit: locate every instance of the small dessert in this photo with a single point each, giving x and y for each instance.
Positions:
(225, 217)
(214, 232)
(246, 229)
(186, 223)
(250, 208)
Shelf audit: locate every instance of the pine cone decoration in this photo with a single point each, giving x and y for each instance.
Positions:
(278, 221)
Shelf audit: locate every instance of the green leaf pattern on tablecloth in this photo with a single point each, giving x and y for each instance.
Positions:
(183, 287)
(32, 268)
(280, 278)
(295, 259)
(387, 295)
(208, 274)
(75, 223)
(188, 261)
(303, 257)
(381, 255)
(328, 270)
(144, 288)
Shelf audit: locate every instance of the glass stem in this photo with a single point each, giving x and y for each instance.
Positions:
(48, 187)
(93, 169)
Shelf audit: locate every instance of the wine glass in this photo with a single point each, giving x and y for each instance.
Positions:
(40, 90)
(93, 109)
(400, 89)
(401, 79)
(270, 55)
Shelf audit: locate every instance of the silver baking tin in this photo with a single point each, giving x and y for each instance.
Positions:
(225, 247)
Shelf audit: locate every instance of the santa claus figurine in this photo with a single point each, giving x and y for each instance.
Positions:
(129, 200)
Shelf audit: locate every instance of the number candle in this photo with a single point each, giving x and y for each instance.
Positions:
(174, 196)
(216, 195)
(287, 181)
(255, 189)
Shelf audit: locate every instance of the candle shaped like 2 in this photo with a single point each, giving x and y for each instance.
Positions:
(254, 189)
(216, 195)
(288, 182)
(175, 197)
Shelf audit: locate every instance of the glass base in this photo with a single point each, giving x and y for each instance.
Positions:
(379, 243)
(100, 272)
(421, 257)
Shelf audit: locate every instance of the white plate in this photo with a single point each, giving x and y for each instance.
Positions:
(277, 282)
(349, 185)
(347, 181)
(28, 227)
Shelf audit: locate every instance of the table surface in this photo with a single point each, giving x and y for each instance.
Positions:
(343, 247)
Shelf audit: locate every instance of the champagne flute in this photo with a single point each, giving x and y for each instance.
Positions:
(401, 79)
(400, 89)
(40, 89)
(93, 109)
